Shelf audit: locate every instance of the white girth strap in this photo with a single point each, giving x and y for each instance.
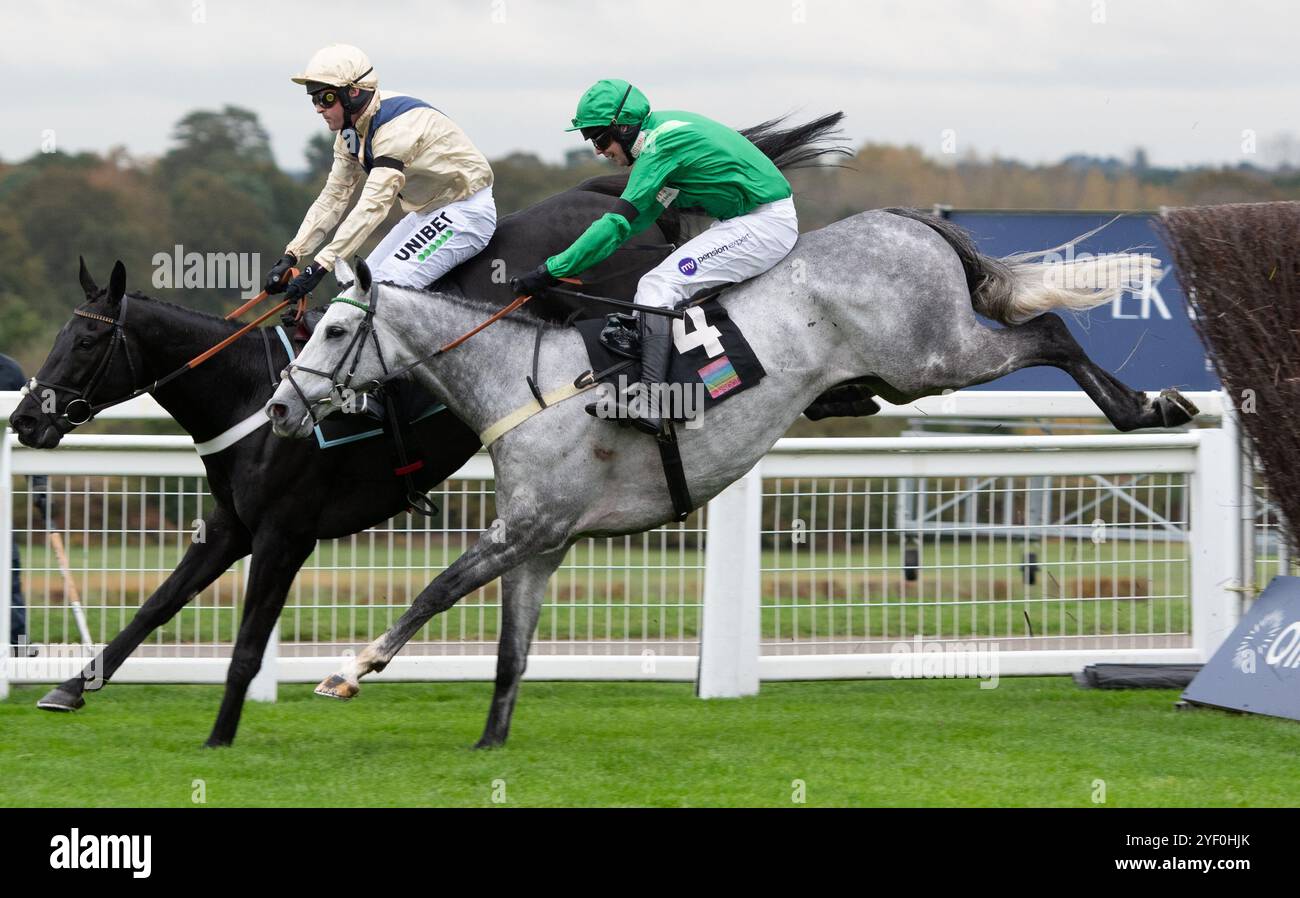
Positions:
(524, 412)
(250, 424)
(253, 422)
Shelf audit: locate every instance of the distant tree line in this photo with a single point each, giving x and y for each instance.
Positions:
(218, 190)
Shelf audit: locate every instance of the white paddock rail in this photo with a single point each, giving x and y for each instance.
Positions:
(729, 661)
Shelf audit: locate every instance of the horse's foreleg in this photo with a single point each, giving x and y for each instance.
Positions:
(497, 551)
(225, 541)
(275, 563)
(854, 399)
(523, 592)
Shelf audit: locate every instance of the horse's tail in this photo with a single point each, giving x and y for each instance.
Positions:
(1016, 288)
(800, 145)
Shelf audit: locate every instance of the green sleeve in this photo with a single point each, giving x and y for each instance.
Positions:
(608, 232)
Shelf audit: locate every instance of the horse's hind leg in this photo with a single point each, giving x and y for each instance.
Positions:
(1046, 340)
(524, 591)
(276, 561)
(225, 542)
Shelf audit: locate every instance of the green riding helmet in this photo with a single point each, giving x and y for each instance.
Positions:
(609, 102)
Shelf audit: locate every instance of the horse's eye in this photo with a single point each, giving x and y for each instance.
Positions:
(85, 343)
(334, 331)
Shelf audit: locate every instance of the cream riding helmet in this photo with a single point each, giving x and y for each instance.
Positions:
(330, 74)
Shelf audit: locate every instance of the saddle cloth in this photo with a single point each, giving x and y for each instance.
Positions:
(711, 360)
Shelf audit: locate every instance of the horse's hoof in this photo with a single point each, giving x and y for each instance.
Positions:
(59, 699)
(339, 687)
(217, 743)
(485, 742)
(1175, 408)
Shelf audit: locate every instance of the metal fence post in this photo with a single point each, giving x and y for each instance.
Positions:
(729, 626)
(1215, 539)
(6, 557)
(262, 688)
(1244, 466)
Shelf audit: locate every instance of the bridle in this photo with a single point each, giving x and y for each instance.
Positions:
(81, 408)
(338, 390)
(351, 357)
(86, 409)
(366, 331)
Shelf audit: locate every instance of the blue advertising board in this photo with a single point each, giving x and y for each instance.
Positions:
(1257, 669)
(1145, 338)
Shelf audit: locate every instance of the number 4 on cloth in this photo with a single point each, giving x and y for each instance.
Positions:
(704, 334)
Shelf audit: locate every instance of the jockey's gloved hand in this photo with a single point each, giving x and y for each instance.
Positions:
(305, 282)
(277, 272)
(534, 282)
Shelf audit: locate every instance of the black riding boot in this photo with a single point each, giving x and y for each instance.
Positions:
(638, 404)
(656, 348)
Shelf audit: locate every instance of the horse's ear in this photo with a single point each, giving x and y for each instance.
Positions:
(343, 274)
(87, 282)
(363, 276)
(117, 283)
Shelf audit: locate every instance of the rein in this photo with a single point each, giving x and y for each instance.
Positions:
(367, 331)
(87, 410)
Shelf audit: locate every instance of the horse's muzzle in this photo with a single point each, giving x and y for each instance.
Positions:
(288, 419)
(35, 433)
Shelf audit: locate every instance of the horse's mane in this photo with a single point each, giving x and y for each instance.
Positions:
(196, 313)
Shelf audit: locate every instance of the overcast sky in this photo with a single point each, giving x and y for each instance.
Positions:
(1030, 79)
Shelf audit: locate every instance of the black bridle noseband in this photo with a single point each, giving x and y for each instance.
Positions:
(416, 498)
(364, 332)
(81, 409)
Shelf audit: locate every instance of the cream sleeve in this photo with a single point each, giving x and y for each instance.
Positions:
(329, 207)
(377, 197)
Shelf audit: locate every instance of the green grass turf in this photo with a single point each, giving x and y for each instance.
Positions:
(1030, 742)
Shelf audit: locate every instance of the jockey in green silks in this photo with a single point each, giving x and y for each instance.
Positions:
(698, 163)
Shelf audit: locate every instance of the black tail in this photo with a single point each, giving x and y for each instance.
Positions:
(989, 280)
(796, 147)
(789, 148)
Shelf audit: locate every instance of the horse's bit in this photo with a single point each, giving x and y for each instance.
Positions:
(79, 410)
(337, 394)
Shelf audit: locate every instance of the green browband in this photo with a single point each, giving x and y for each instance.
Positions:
(352, 302)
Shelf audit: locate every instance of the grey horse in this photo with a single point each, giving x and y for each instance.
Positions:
(883, 300)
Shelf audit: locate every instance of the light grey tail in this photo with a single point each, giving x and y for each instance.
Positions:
(1014, 289)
